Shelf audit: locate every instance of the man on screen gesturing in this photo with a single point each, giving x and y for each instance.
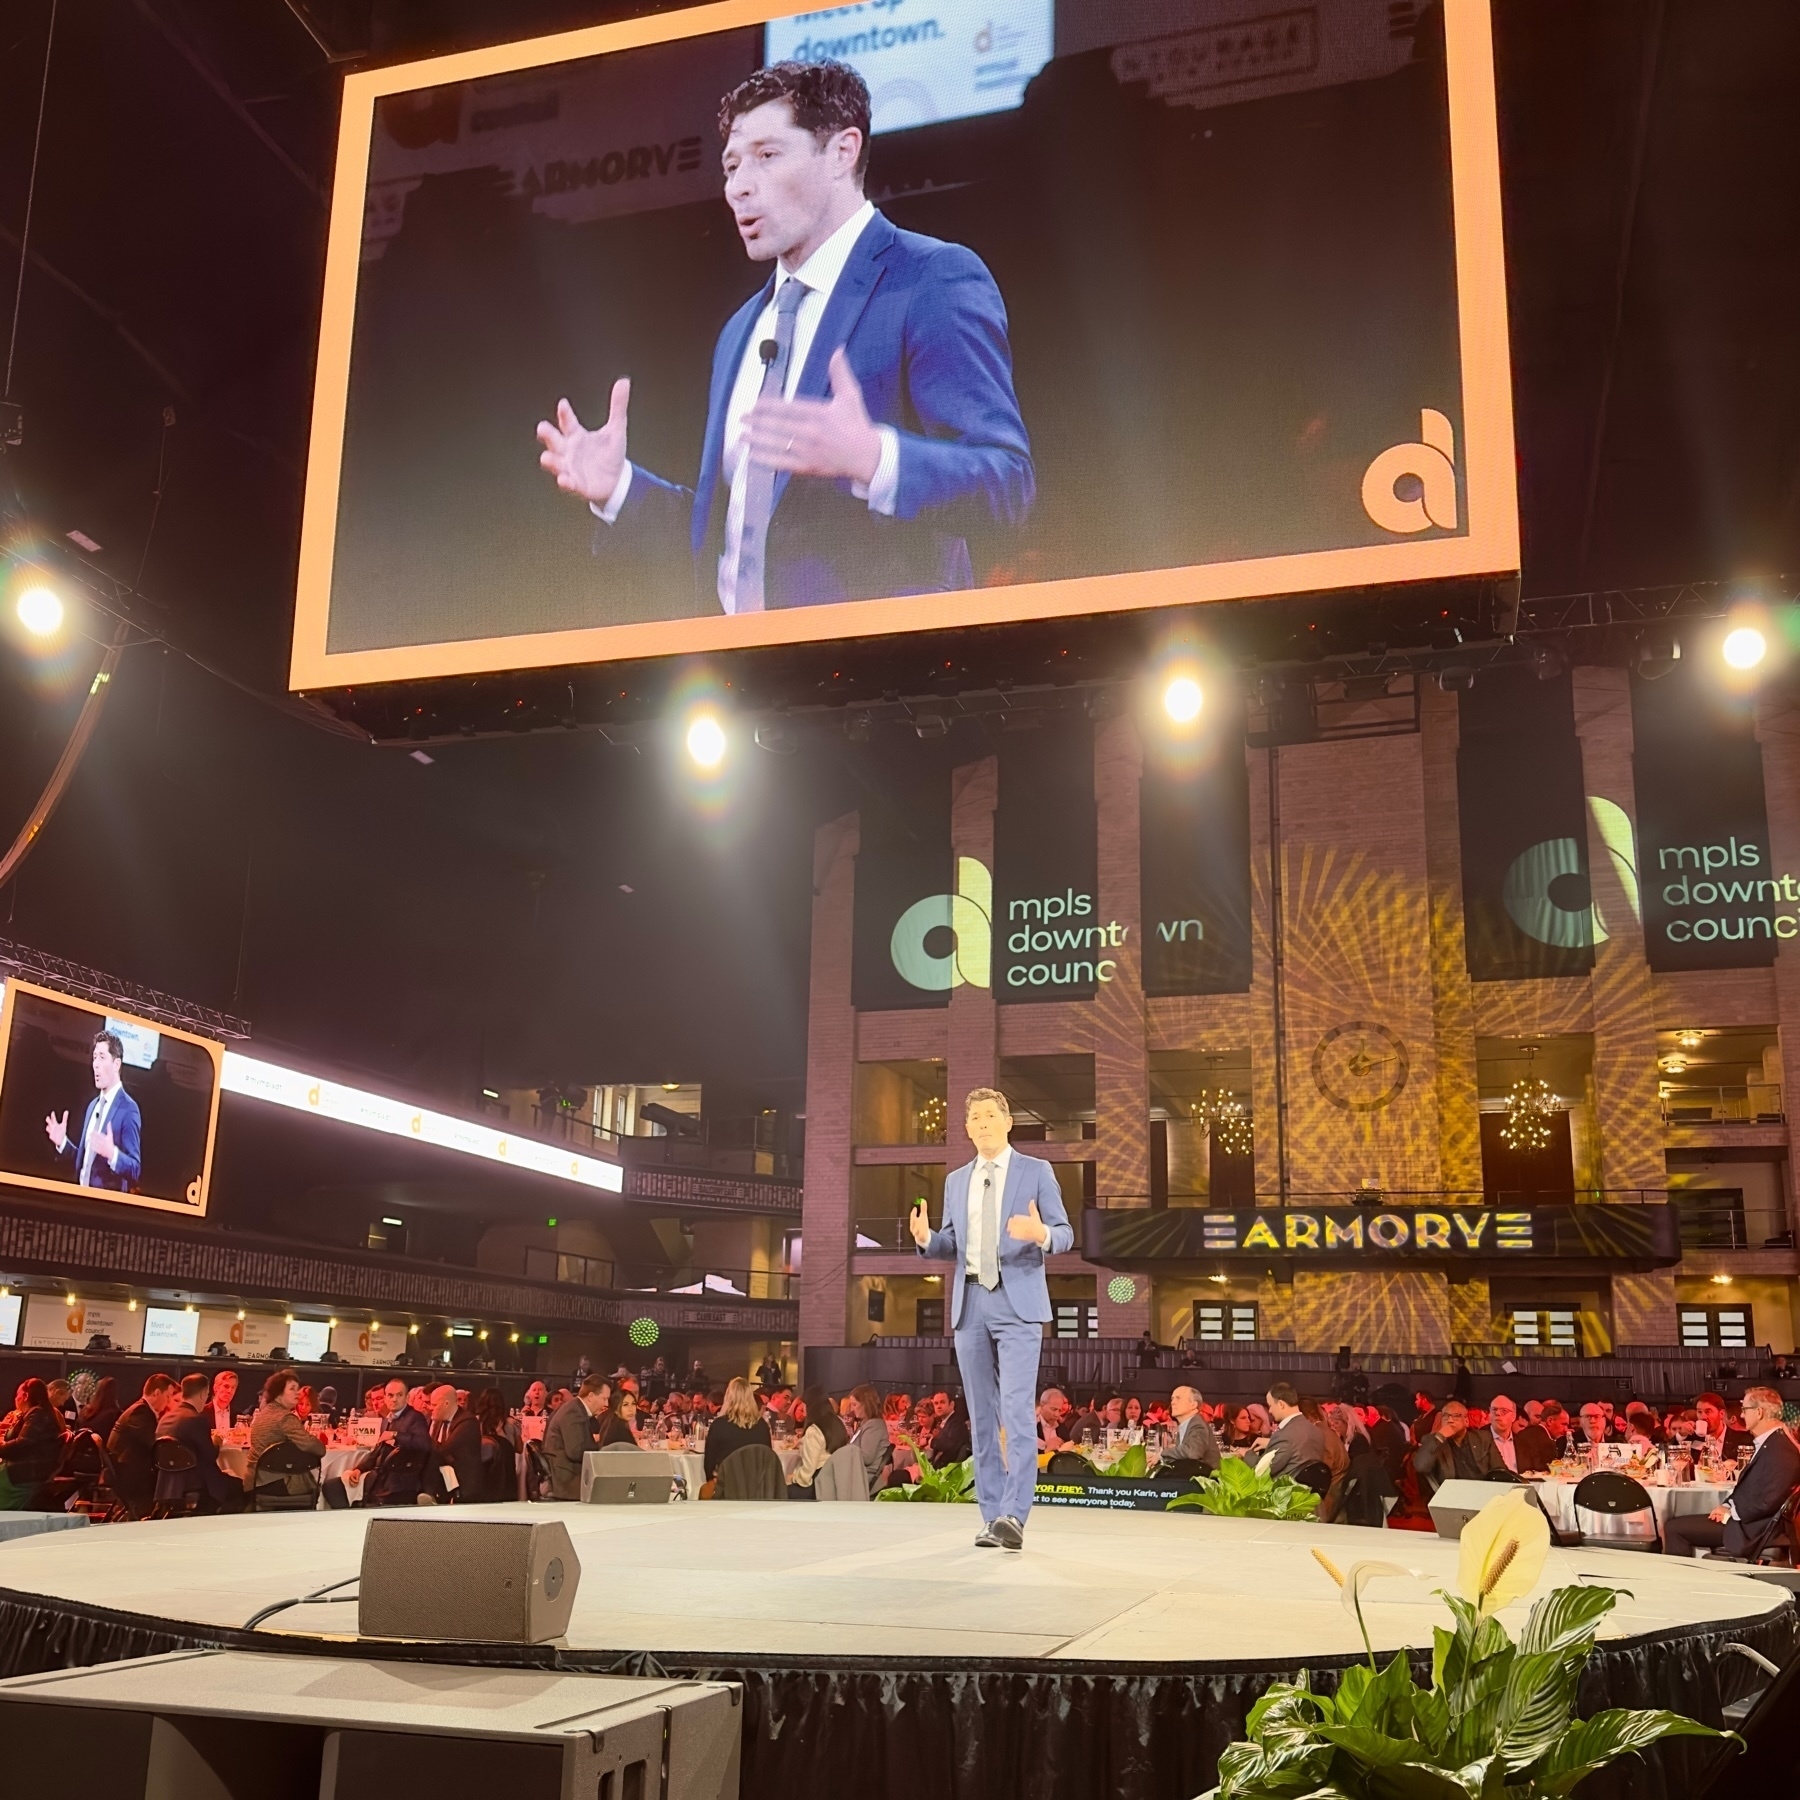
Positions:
(107, 1153)
(862, 417)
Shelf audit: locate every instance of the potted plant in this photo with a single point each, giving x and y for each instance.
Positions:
(1496, 1720)
(954, 1482)
(1239, 1492)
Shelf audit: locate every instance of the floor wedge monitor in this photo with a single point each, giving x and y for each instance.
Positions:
(487, 1581)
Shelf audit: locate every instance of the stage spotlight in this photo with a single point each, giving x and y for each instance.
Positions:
(706, 740)
(40, 612)
(1657, 654)
(1182, 699)
(1744, 647)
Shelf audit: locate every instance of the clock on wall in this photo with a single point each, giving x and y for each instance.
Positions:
(1360, 1066)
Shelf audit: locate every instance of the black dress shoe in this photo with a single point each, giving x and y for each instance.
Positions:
(985, 1539)
(1009, 1534)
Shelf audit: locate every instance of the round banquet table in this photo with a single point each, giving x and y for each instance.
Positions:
(1558, 1499)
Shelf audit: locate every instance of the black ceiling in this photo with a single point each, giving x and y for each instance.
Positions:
(467, 920)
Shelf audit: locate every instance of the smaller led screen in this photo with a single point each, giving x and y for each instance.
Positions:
(11, 1305)
(308, 1339)
(170, 1331)
(103, 1104)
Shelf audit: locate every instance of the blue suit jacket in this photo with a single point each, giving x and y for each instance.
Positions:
(924, 327)
(1028, 1178)
(126, 1124)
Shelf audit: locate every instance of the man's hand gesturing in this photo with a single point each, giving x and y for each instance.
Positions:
(585, 462)
(920, 1222)
(830, 438)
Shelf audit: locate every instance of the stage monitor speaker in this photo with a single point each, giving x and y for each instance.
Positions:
(622, 1475)
(467, 1581)
(1457, 1502)
(225, 1725)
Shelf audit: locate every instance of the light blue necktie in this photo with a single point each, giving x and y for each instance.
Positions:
(759, 485)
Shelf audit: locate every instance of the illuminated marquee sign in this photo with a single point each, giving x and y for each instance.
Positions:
(375, 1112)
(1645, 1235)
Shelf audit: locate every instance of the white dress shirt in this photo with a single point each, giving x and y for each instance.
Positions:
(96, 1125)
(820, 272)
(1509, 1451)
(977, 1208)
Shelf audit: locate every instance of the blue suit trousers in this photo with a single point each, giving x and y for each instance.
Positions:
(997, 1352)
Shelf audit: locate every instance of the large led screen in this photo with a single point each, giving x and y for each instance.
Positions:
(719, 329)
(105, 1105)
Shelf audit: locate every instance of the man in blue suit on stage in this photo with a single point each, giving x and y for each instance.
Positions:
(108, 1151)
(1003, 1214)
(862, 418)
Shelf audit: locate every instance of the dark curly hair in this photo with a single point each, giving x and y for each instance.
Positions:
(825, 97)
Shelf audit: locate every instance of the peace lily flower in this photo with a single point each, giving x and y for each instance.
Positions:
(1352, 1583)
(1503, 1551)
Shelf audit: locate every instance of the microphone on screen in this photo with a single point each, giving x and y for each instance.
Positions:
(768, 350)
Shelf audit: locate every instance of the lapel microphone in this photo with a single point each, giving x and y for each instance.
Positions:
(768, 350)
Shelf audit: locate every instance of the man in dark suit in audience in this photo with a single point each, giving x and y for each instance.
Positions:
(572, 1433)
(1452, 1452)
(1745, 1523)
(456, 1437)
(1525, 1449)
(399, 1467)
(1195, 1450)
(1297, 1441)
(221, 1491)
(1715, 1420)
(132, 1445)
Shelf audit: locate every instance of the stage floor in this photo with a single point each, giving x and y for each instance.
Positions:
(896, 1582)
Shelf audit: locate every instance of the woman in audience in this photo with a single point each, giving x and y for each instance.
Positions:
(824, 1433)
(499, 1460)
(618, 1424)
(1134, 1412)
(101, 1413)
(29, 1447)
(740, 1422)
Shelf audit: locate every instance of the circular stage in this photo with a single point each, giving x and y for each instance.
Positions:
(1115, 1657)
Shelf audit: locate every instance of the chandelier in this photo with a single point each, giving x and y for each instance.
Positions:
(932, 1118)
(1530, 1110)
(1221, 1115)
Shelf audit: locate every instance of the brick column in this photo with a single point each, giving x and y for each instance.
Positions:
(1627, 1120)
(1778, 726)
(974, 793)
(830, 1075)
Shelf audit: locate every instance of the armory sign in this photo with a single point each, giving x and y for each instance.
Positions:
(1645, 1235)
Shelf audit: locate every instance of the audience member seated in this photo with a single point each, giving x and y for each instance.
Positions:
(402, 1465)
(740, 1422)
(573, 1431)
(1554, 1423)
(275, 1422)
(1052, 1415)
(1195, 1450)
(102, 1412)
(220, 1491)
(1724, 1440)
(1450, 1451)
(951, 1442)
(1745, 1523)
(132, 1445)
(63, 1403)
(1295, 1439)
(456, 1448)
(824, 1433)
(618, 1423)
(221, 1404)
(30, 1447)
(860, 1411)
(1525, 1449)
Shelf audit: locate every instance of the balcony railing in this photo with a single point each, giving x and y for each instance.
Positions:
(1723, 1221)
(1758, 1104)
(1376, 1197)
(643, 1278)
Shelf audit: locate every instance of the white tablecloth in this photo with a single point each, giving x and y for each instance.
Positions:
(1558, 1499)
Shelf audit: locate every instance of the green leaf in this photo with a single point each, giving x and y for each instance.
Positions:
(1134, 1465)
(1591, 1744)
(1538, 1703)
(1414, 1781)
(1565, 1618)
(1372, 1749)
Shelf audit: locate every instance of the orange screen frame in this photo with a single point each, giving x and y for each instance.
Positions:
(1490, 546)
